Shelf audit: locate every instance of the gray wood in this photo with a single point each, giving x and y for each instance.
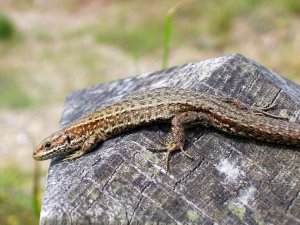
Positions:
(231, 181)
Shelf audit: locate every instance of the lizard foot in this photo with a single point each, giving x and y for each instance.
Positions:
(262, 111)
(169, 148)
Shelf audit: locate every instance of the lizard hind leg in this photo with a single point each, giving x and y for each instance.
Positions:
(258, 110)
(178, 123)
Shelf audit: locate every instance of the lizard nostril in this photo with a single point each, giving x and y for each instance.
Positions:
(35, 154)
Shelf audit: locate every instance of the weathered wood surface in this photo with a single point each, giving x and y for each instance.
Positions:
(231, 181)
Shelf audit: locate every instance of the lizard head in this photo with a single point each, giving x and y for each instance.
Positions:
(55, 145)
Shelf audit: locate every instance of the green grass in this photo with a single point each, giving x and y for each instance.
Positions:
(137, 41)
(168, 29)
(292, 6)
(214, 19)
(15, 197)
(7, 29)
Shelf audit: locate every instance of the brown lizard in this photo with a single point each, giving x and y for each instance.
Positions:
(179, 107)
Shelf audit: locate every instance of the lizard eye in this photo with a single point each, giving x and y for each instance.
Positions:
(47, 144)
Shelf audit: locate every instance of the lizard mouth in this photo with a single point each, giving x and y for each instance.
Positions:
(37, 154)
(41, 154)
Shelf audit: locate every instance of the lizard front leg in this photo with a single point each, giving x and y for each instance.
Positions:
(88, 145)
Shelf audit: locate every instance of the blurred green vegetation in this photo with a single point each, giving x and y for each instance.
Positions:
(137, 41)
(137, 29)
(7, 28)
(16, 205)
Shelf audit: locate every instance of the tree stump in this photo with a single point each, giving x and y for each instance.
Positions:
(231, 180)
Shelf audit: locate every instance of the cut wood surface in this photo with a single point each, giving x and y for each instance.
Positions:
(231, 180)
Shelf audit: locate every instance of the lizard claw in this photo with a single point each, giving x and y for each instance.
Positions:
(169, 148)
(186, 154)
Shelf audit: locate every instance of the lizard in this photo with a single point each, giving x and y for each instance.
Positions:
(180, 107)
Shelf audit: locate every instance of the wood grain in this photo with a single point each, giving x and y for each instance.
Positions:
(231, 181)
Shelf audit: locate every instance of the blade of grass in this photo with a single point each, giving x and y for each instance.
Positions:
(168, 29)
